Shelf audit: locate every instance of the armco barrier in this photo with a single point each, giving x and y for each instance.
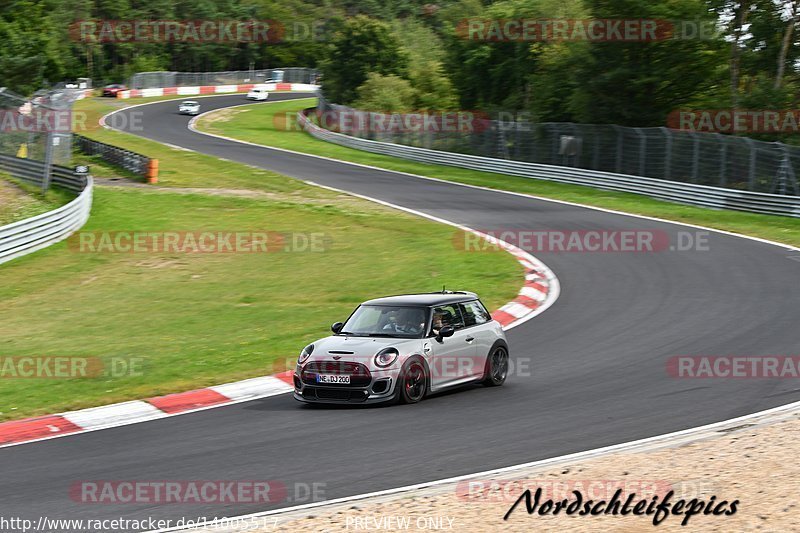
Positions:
(687, 193)
(27, 236)
(130, 161)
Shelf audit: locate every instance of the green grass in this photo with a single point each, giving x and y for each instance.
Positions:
(177, 168)
(268, 124)
(202, 319)
(20, 200)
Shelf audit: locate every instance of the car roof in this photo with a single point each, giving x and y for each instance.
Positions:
(426, 299)
(188, 102)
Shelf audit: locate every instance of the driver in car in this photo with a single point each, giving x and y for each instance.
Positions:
(411, 322)
(438, 321)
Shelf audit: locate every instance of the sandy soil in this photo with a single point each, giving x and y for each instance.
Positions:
(755, 465)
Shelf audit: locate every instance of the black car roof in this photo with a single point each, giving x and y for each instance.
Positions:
(425, 299)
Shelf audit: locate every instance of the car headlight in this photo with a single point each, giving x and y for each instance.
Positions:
(305, 354)
(386, 357)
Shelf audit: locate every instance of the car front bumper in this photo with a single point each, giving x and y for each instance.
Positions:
(381, 388)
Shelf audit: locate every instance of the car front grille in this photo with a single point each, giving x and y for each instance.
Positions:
(359, 374)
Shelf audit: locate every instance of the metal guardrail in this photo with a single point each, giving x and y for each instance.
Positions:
(712, 159)
(130, 161)
(32, 234)
(687, 193)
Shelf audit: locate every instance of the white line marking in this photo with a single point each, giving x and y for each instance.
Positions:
(250, 391)
(498, 191)
(580, 455)
(114, 425)
(667, 439)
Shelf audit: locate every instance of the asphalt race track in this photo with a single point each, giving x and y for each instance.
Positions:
(598, 356)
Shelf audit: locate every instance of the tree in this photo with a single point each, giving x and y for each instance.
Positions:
(29, 55)
(362, 46)
(433, 90)
(639, 83)
(426, 72)
(387, 94)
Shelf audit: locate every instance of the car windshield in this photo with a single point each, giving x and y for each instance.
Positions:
(387, 321)
(189, 103)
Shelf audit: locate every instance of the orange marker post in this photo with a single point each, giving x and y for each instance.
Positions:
(152, 171)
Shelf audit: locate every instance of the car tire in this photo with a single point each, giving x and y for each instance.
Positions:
(496, 369)
(412, 382)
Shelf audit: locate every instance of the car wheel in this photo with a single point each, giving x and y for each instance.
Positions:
(413, 382)
(496, 367)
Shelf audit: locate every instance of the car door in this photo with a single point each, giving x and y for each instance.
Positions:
(453, 357)
(478, 322)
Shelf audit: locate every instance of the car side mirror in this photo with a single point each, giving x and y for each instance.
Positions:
(445, 331)
(337, 327)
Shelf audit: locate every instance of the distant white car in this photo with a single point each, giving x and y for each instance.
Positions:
(189, 107)
(258, 94)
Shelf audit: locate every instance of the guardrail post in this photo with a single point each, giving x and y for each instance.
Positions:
(667, 153)
(48, 161)
(752, 171)
(555, 143)
(579, 140)
(723, 163)
(596, 160)
(642, 150)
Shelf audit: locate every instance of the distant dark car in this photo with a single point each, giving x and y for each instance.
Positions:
(113, 89)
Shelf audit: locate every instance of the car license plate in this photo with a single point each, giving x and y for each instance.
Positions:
(333, 378)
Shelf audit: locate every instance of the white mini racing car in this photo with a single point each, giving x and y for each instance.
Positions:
(401, 348)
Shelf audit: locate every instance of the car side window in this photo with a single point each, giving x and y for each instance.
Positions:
(447, 315)
(474, 313)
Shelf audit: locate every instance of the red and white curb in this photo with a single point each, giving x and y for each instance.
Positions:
(539, 292)
(535, 293)
(214, 89)
(121, 414)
